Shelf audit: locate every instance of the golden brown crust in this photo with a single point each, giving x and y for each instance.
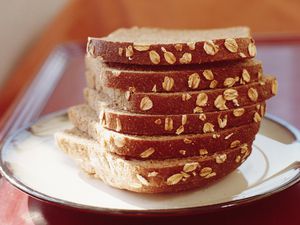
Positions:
(180, 53)
(153, 176)
(163, 147)
(184, 78)
(182, 102)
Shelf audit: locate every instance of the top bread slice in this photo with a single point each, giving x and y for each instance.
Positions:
(175, 79)
(153, 46)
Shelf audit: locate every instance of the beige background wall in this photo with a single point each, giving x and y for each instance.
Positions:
(21, 22)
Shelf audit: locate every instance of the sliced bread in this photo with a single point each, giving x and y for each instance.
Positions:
(153, 46)
(150, 176)
(183, 102)
(144, 124)
(162, 147)
(175, 79)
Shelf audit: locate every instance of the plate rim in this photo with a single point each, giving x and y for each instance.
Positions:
(4, 170)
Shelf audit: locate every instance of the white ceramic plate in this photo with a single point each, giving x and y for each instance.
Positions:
(32, 163)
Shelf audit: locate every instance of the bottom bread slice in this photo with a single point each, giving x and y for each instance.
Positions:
(149, 176)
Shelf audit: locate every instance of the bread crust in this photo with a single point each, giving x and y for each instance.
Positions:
(151, 176)
(183, 78)
(163, 147)
(110, 51)
(144, 124)
(182, 102)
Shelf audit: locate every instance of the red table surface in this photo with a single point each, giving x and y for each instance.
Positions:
(279, 58)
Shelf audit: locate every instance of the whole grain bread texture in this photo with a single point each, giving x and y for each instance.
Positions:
(171, 79)
(153, 46)
(144, 124)
(183, 102)
(150, 176)
(163, 147)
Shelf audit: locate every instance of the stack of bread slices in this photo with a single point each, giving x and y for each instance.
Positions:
(168, 110)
